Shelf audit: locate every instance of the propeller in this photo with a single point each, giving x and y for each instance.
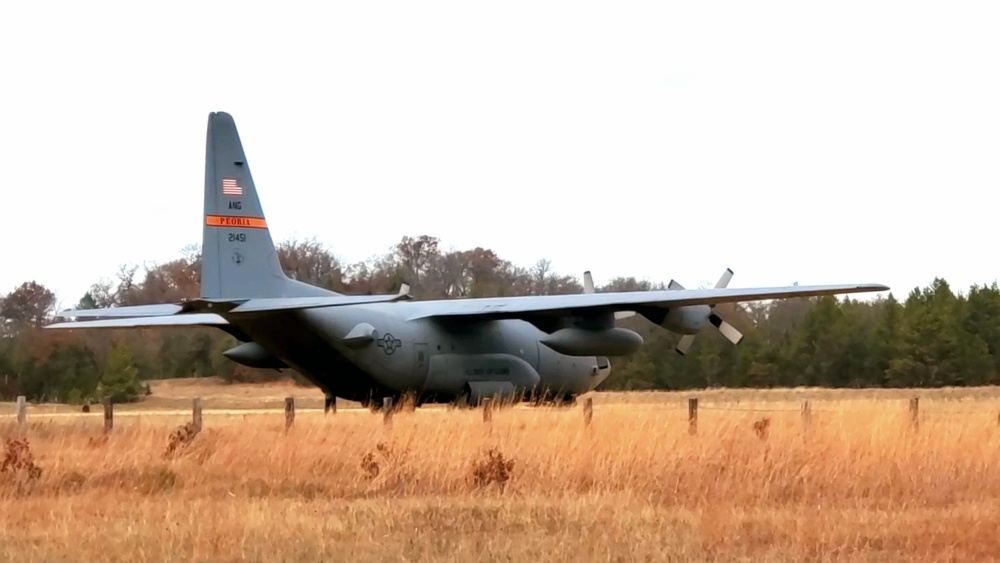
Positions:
(727, 330)
(588, 287)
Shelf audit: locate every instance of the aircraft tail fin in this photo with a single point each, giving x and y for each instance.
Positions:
(239, 260)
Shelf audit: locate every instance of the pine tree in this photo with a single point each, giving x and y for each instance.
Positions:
(886, 340)
(982, 319)
(639, 372)
(120, 379)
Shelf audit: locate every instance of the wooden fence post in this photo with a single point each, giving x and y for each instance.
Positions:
(109, 415)
(693, 416)
(806, 414)
(915, 412)
(196, 413)
(289, 412)
(387, 411)
(22, 410)
(588, 411)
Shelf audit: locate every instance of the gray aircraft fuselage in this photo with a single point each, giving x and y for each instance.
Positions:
(430, 359)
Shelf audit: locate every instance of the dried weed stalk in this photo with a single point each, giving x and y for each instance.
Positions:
(180, 438)
(761, 427)
(492, 468)
(19, 460)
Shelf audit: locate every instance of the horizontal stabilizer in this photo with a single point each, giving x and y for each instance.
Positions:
(197, 305)
(134, 311)
(198, 319)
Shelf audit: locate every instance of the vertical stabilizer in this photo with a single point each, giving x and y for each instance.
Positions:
(238, 256)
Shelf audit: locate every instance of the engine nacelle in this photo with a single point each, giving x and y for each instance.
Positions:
(686, 320)
(254, 355)
(601, 342)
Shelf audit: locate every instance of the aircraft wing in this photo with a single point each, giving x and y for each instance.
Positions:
(198, 311)
(542, 305)
(274, 304)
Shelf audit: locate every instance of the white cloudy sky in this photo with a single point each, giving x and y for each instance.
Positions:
(791, 141)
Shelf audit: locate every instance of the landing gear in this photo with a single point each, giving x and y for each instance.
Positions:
(468, 400)
(463, 401)
(558, 400)
(567, 401)
(399, 402)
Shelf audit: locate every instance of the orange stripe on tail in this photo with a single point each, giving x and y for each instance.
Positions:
(238, 222)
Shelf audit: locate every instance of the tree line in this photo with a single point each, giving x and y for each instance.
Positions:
(934, 337)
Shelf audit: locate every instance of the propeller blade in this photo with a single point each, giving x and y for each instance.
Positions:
(727, 330)
(724, 280)
(588, 287)
(685, 344)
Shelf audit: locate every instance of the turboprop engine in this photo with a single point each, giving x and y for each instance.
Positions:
(690, 319)
(687, 320)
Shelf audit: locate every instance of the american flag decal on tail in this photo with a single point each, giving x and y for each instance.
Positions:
(230, 187)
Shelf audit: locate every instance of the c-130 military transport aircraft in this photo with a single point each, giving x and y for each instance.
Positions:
(368, 347)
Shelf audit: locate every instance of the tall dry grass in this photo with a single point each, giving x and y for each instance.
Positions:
(860, 483)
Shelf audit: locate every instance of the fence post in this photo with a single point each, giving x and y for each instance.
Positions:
(22, 410)
(488, 414)
(914, 412)
(588, 410)
(693, 416)
(196, 413)
(387, 411)
(109, 415)
(289, 412)
(806, 414)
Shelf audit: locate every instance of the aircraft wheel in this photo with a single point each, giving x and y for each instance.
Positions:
(464, 400)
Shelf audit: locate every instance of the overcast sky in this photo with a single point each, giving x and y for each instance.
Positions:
(791, 141)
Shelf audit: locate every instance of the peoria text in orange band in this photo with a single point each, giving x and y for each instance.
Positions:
(240, 222)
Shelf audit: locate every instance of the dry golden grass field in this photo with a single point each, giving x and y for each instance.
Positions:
(859, 482)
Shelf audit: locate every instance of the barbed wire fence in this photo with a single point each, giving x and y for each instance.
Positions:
(806, 409)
